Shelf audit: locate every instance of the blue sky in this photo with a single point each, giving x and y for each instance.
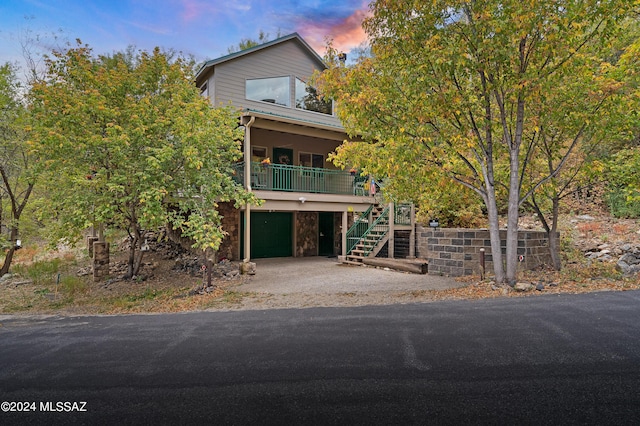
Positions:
(203, 28)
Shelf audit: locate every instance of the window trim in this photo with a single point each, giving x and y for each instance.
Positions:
(312, 154)
(266, 151)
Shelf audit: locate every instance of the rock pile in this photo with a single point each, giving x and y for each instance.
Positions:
(157, 242)
(194, 265)
(629, 263)
(626, 256)
(226, 269)
(188, 263)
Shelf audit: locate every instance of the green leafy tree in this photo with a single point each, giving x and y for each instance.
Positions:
(464, 83)
(624, 183)
(16, 163)
(248, 43)
(623, 166)
(131, 144)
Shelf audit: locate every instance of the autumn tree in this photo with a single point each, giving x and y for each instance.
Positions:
(462, 85)
(16, 163)
(132, 145)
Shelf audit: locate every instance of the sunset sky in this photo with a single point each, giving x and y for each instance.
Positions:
(204, 28)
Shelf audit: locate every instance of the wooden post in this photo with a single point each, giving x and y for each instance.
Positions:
(412, 235)
(247, 185)
(392, 232)
(295, 234)
(345, 228)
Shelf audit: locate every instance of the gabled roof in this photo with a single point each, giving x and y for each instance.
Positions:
(294, 36)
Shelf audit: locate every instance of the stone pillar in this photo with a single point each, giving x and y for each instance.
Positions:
(100, 260)
(90, 241)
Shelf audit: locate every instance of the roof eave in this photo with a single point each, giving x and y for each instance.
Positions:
(293, 36)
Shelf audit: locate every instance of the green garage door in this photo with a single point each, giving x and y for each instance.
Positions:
(271, 234)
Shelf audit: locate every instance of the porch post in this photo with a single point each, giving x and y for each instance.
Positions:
(412, 235)
(392, 231)
(247, 233)
(294, 243)
(247, 185)
(345, 228)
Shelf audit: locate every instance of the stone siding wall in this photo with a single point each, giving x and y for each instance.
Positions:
(337, 233)
(456, 252)
(230, 246)
(307, 234)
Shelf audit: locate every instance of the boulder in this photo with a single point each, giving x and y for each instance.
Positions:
(629, 264)
(630, 259)
(248, 268)
(523, 287)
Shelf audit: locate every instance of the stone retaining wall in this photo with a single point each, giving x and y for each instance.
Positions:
(456, 251)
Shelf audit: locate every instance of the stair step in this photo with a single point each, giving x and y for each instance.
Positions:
(352, 262)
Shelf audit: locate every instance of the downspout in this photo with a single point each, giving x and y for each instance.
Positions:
(247, 186)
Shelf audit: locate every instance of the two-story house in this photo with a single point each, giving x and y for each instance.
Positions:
(309, 204)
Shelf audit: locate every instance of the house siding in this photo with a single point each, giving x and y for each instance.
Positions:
(271, 139)
(285, 59)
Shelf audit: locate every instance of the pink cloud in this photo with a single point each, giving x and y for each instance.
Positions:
(197, 9)
(190, 11)
(346, 33)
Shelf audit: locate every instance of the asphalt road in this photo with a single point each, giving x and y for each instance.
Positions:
(544, 360)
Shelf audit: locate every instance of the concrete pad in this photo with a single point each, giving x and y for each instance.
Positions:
(321, 275)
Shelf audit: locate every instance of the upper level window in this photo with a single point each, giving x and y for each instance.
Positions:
(307, 98)
(273, 90)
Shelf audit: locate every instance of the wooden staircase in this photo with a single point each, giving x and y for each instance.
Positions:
(373, 239)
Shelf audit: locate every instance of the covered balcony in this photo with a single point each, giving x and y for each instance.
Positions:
(282, 177)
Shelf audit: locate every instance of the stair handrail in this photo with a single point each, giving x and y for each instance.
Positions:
(384, 215)
(360, 225)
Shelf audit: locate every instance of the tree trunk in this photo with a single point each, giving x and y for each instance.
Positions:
(135, 254)
(552, 231)
(514, 182)
(16, 212)
(554, 239)
(138, 262)
(132, 258)
(7, 261)
(494, 234)
(9, 256)
(512, 219)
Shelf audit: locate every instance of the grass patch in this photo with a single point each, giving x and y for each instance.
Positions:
(72, 285)
(42, 272)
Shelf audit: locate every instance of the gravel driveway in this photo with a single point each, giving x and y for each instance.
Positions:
(320, 281)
